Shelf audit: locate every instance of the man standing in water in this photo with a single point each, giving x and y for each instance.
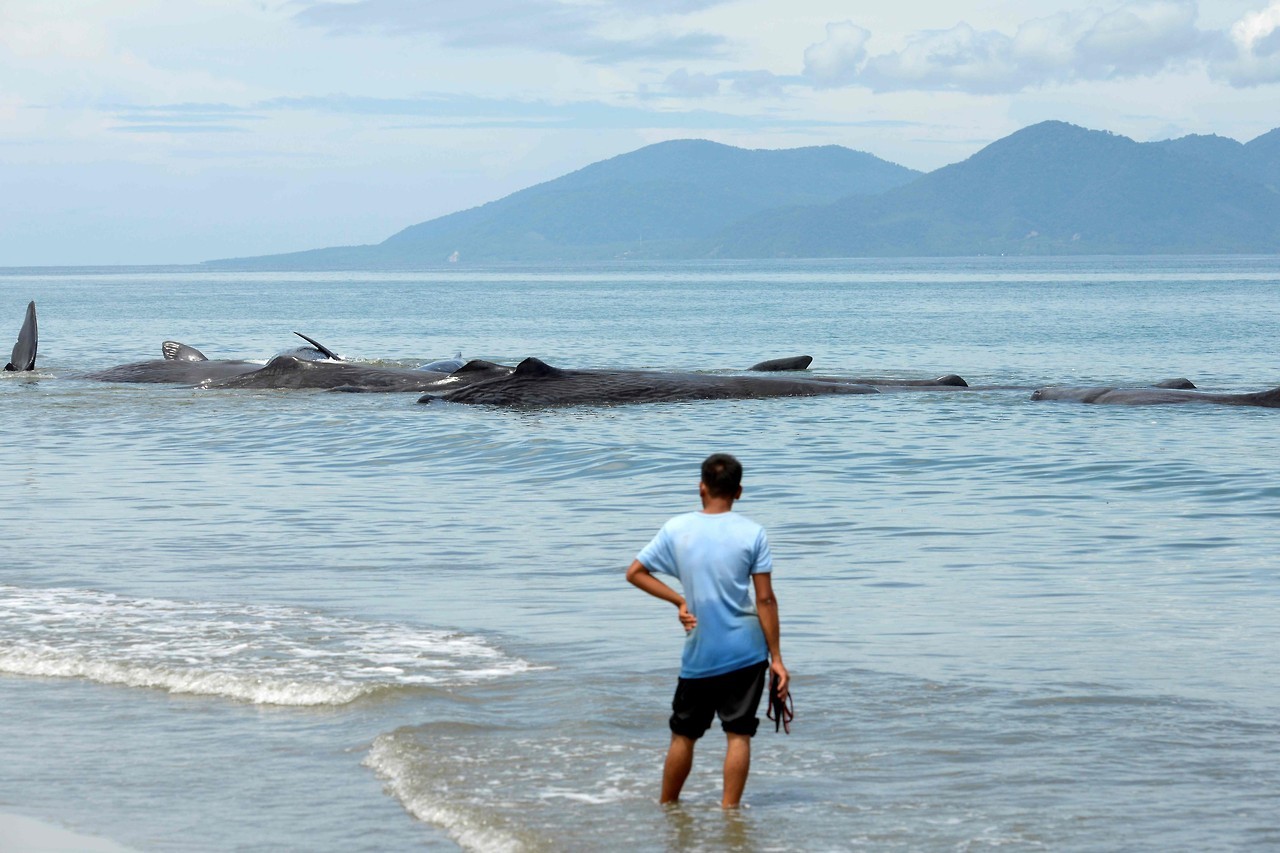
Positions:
(719, 557)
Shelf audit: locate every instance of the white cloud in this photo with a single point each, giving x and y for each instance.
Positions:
(581, 30)
(1136, 38)
(684, 84)
(757, 84)
(835, 60)
(1255, 39)
(71, 53)
(1140, 38)
(959, 58)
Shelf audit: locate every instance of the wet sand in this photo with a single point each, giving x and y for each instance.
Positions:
(20, 834)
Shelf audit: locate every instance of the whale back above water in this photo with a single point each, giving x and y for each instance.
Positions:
(288, 372)
(183, 364)
(444, 365)
(24, 350)
(1180, 382)
(536, 384)
(1155, 396)
(950, 380)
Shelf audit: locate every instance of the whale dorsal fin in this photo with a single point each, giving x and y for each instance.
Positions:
(536, 367)
(24, 351)
(952, 380)
(1180, 383)
(477, 364)
(773, 365)
(324, 350)
(174, 351)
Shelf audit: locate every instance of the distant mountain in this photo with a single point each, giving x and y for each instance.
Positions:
(1052, 188)
(663, 200)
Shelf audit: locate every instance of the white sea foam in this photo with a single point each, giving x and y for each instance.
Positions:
(497, 789)
(396, 759)
(263, 654)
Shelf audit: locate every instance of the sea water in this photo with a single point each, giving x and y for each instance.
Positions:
(299, 620)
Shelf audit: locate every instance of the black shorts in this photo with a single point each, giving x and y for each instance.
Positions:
(735, 696)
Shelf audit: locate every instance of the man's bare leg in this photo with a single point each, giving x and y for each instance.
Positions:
(676, 770)
(737, 764)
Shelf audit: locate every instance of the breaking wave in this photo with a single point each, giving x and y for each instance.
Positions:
(263, 654)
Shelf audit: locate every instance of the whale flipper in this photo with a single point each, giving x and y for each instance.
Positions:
(174, 351)
(324, 350)
(24, 351)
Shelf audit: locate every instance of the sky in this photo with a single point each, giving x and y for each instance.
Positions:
(159, 132)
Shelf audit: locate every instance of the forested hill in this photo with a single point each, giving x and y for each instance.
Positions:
(663, 200)
(1052, 188)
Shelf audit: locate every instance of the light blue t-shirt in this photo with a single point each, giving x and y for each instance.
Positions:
(714, 556)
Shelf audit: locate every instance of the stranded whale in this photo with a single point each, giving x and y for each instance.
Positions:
(287, 372)
(535, 383)
(802, 362)
(186, 365)
(1155, 396)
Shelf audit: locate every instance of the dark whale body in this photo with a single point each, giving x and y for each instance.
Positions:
(288, 372)
(24, 351)
(951, 380)
(1155, 396)
(802, 362)
(536, 384)
(186, 365)
(181, 365)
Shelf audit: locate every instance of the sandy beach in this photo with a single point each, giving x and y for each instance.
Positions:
(20, 834)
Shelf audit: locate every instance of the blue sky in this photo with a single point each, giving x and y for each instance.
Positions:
(146, 131)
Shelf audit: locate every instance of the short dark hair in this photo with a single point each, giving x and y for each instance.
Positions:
(722, 475)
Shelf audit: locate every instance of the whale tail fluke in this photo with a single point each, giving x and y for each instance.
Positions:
(174, 351)
(24, 351)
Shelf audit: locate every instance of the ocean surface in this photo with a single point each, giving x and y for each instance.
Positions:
(295, 620)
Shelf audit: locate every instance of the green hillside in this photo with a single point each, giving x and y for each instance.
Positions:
(1051, 188)
(662, 200)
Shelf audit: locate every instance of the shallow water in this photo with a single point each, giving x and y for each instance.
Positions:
(260, 620)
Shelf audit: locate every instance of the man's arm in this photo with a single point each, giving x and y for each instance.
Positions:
(767, 610)
(641, 577)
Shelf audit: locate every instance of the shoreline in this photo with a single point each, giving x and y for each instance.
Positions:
(22, 834)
